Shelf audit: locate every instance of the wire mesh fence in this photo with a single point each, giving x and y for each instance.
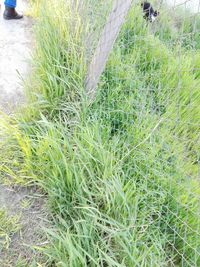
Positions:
(121, 170)
(147, 96)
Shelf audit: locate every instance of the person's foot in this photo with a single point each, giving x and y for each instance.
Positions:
(11, 13)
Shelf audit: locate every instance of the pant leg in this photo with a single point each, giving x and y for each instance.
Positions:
(10, 3)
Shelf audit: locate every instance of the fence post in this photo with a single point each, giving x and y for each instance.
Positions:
(107, 39)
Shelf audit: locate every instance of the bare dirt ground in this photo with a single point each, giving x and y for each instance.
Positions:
(29, 205)
(15, 50)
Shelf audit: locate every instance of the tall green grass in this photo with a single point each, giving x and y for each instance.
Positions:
(121, 175)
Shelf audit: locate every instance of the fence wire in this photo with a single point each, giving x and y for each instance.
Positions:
(150, 99)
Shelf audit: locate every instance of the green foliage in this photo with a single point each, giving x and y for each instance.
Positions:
(9, 225)
(59, 59)
(178, 26)
(121, 174)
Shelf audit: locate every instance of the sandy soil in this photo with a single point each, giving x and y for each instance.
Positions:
(15, 50)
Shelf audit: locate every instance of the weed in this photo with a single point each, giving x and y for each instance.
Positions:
(9, 225)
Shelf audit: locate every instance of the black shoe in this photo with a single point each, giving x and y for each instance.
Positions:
(11, 13)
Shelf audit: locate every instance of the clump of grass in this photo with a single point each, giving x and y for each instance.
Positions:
(178, 26)
(34, 8)
(120, 174)
(59, 74)
(9, 225)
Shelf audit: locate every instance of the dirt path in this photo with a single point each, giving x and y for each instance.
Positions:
(15, 50)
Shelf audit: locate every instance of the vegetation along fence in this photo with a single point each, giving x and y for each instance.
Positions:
(111, 133)
(146, 75)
